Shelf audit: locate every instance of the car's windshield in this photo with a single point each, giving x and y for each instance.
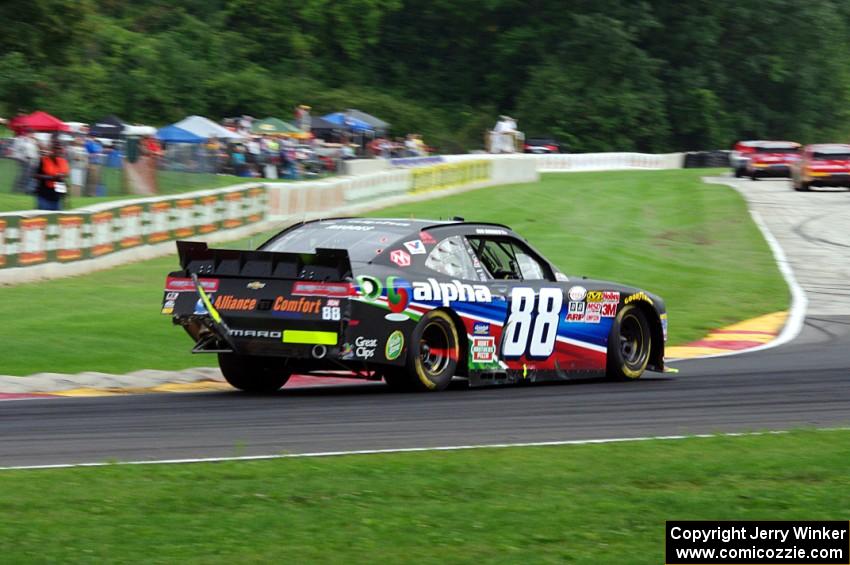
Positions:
(362, 238)
(831, 156)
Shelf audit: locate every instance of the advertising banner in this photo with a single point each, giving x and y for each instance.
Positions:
(81, 234)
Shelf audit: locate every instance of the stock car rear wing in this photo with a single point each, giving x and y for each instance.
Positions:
(325, 265)
(238, 301)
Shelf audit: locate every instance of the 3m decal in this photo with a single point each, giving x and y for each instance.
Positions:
(532, 330)
(638, 296)
(483, 349)
(415, 247)
(481, 328)
(400, 257)
(608, 310)
(395, 344)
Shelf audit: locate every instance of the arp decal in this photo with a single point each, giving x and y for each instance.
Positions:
(400, 257)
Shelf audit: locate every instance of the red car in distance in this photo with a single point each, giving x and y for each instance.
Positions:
(822, 164)
(740, 156)
(772, 159)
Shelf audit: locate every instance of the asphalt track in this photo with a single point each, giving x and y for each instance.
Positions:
(805, 383)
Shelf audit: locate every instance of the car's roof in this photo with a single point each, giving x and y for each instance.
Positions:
(776, 144)
(830, 147)
(402, 226)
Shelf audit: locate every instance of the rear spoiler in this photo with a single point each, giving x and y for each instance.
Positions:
(323, 265)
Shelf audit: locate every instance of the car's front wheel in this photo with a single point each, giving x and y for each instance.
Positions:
(252, 374)
(629, 344)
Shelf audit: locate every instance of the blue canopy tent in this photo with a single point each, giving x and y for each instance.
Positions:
(348, 122)
(174, 134)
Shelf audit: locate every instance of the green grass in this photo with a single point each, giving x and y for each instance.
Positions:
(170, 182)
(577, 504)
(692, 243)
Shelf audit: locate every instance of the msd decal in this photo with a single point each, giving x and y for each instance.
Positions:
(400, 257)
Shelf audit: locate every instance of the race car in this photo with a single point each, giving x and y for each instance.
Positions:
(772, 159)
(413, 302)
(822, 164)
(740, 156)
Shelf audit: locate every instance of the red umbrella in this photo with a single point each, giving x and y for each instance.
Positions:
(37, 121)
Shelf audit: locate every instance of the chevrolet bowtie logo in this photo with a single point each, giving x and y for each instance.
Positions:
(256, 285)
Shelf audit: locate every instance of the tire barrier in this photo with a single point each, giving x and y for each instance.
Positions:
(707, 159)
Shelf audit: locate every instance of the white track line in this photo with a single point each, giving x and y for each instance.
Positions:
(799, 302)
(402, 450)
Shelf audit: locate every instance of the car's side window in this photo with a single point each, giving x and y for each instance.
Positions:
(505, 259)
(450, 257)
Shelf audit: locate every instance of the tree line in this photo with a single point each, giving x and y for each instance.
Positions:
(599, 75)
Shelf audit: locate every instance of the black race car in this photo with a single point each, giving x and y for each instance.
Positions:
(412, 302)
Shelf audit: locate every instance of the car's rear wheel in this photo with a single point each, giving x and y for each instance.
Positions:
(433, 355)
(802, 186)
(252, 374)
(629, 344)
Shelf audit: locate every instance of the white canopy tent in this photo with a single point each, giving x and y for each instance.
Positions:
(203, 127)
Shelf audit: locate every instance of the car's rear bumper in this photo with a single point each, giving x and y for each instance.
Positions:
(834, 179)
(781, 170)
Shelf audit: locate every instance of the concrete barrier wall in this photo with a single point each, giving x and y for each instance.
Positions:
(36, 244)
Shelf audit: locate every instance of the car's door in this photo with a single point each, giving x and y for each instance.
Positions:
(535, 300)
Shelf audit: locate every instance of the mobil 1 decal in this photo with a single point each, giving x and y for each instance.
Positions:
(532, 324)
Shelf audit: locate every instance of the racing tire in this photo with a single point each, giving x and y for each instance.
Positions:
(629, 344)
(754, 177)
(252, 374)
(802, 187)
(738, 172)
(432, 356)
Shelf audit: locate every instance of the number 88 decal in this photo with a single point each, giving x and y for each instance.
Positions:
(540, 323)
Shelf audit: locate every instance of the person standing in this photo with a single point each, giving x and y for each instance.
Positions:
(51, 176)
(25, 152)
(94, 150)
(78, 159)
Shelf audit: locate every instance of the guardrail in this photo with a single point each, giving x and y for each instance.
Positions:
(35, 244)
